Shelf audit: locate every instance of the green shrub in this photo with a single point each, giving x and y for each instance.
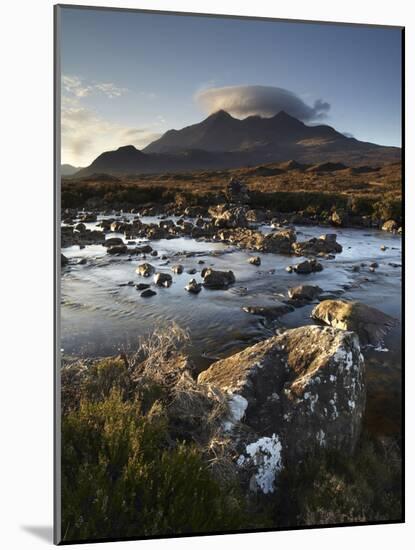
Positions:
(388, 208)
(122, 476)
(291, 201)
(332, 488)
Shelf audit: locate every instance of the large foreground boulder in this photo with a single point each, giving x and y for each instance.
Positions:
(290, 395)
(369, 323)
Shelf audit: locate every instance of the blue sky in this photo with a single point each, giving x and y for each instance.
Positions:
(128, 77)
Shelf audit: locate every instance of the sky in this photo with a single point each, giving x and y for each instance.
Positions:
(127, 77)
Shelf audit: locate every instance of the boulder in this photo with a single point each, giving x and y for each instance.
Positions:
(390, 225)
(217, 279)
(193, 287)
(304, 292)
(81, 227)
(278, 241)
(163, 279)
(369, 323)
(308, 266)
(339, 217)
(326, 244)
(178, 269)
(148, 293)
(289, 396)
(145, 270)
(255, 260)
(145, 249)
(270, 312)
(113, 241)
(117, 249)
(229, 217)
(142, 286)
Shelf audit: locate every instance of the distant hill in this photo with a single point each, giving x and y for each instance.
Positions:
(69, 170)
(221, 141)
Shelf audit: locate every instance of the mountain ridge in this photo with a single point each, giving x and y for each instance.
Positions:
(222, 141)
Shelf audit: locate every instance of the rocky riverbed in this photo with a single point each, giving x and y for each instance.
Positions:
(231, 283)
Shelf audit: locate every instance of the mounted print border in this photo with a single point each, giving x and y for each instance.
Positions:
(229, 274)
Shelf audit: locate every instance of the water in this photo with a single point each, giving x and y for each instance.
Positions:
(99, 317)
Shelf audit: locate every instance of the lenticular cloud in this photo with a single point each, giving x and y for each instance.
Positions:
(243, 101)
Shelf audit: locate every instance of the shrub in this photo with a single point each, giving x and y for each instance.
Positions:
(332, 488)
(123, 477)
(291, 201)
(388, 208)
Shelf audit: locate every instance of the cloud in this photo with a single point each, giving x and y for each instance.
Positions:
(243, 101)
(85, 134)
(78, 87)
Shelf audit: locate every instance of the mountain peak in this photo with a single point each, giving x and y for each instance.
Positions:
(127, 148)
(220, 115)
(283, 115)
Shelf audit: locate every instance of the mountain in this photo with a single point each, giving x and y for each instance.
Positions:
(222, 141)
(221, 132)
(69, 170)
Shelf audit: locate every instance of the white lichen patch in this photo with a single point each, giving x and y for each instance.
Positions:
(237, 407)
(312, 400)
(321, 438)
(265, 456)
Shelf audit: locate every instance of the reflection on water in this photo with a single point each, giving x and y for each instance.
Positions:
(100, 317)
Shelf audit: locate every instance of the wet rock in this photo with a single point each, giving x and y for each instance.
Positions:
(81, 227)
(163, 279)
(255, 216)
(113, 241)
(148, 293)
(64, 260)
(291, 395)
(304, 292)
(217, 279)
(339, 218)
(374, 265)
(289, 269)
(178, 269)
(145, 249)
(391, 226)
(117, 249)
(191, 271)
(142, 286)
(118, 227)
(308, 266)
(89, 217)
(369, 323)
(154, 253)
(82, 261)
(326, 244)
(193, 287)
(256, 260)
(270, 312)
(145, 270)
(383, 248)
(277, 242)
(228, 217)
